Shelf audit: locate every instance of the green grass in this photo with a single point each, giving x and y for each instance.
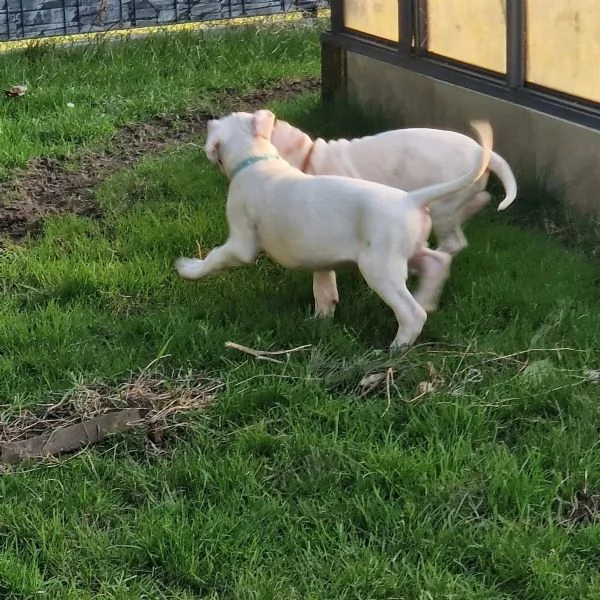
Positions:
(292, 485)
(114, 82)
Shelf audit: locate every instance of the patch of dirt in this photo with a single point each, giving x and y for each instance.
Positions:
(51, 186)
(583, 508)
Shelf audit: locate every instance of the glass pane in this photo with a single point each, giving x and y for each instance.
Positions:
(563, 45)
(472, 32)
(375, 17)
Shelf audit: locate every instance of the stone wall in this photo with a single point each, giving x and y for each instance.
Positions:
(36, 18)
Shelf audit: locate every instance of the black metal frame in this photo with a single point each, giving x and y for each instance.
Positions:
(412, 53)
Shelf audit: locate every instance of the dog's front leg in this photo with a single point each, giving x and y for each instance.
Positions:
(325, 292)
(233, 253)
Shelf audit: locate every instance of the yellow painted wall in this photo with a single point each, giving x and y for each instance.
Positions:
(472, 31)
(562, 42)
(563, 46)
(376, 17)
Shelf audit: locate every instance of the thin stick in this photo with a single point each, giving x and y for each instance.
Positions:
(462, 359)
(264, 354)
(389, 376)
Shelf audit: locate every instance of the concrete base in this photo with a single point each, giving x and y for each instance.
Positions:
(569, 154)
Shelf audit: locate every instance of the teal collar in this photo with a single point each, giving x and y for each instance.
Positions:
(251, 160)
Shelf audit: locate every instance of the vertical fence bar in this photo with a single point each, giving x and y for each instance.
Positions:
(7, 21)
(515, 43)
(22, 20)
(405, 26)
(420, 23)
(337, 16)
(64, 14)
(78, 16)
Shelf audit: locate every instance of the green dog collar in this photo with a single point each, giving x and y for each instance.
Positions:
(251, 160)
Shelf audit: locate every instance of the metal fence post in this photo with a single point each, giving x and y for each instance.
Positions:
(420, 20)
(337, 16)
(515, 43)
(405, 26)
(64, 15)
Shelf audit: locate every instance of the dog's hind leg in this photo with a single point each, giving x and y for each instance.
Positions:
(433, 267)
(452, 239)
(389, 283)
(325, 292)
(478, 202)
(240, 249)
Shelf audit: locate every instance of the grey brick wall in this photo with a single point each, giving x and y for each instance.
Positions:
(39, 18)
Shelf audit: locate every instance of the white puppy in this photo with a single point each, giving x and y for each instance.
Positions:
(407, 159)
(318, 223)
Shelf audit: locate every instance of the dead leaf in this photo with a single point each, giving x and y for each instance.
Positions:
(15, 91)
(593, 376)
(370, 382)
(425, 387)
(434, 381)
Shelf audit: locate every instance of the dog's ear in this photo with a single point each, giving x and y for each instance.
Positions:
(213, 139)
(262, 124)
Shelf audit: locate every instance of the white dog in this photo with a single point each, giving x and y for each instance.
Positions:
(407, 159)
(318, 223)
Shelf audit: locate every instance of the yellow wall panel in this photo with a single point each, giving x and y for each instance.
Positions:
(563, 46)
(375, 17)
(471, 31)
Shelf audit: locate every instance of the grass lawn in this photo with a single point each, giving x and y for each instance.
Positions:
(294, 484)
(117, 82)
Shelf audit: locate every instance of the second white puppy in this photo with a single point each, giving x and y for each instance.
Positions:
(318, 223)
(407, 159)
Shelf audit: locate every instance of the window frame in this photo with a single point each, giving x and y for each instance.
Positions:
(411, 52)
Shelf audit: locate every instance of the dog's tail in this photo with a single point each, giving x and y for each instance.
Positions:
(485, 134)
(504, 173)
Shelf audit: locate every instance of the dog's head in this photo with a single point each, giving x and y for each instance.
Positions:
(292, 144)
(229, 137)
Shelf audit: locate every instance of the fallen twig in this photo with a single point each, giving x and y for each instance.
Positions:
(264, 354)
(389, 376)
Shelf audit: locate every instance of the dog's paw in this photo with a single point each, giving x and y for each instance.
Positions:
(325, 312)
(401, 342)
(188, 268)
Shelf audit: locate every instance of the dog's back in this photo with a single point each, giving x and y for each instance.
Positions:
(407, 159)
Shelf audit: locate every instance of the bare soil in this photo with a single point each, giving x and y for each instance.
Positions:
(52, 186)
